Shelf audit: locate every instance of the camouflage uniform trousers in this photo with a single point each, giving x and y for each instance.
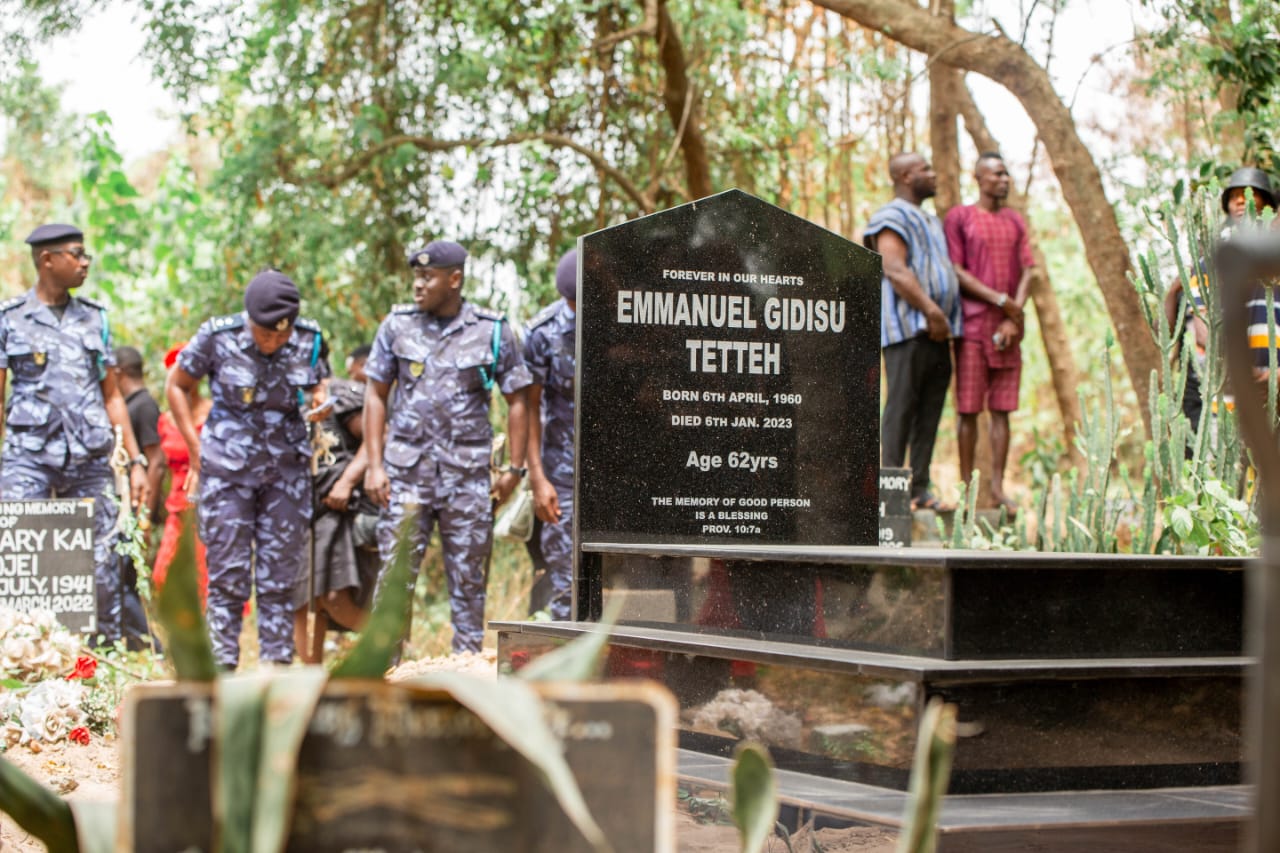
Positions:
(254, 536)
(24, 480)
(466, 533)
(557, 550)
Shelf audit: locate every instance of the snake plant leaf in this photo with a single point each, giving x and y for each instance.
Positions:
(579, 660)
(95, 825)
(180, 611)
(291, 700)
(380, 640)
(513, 711)
(241, 711)
(753, 793)
(36, 809)
(930, 774)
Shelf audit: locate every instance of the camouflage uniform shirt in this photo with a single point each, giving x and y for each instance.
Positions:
(255, 426)
(549, 353)
(56, 413)
(439, 414)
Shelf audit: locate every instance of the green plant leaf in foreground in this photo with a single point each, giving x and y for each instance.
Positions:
(292, 696)
(753, 793)
(579, 660)
(95, 825)
(930, 774)
(241, 703)
(37, 809)
(181, 613)
(380, 640)
(513, 711)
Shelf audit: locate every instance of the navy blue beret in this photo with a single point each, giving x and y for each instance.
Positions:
(54, 233)
(567, 275)
(272, 300)
(438, 253)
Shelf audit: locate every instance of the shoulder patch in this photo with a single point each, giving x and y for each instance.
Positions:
(12, 302)
(544, 316)
(92, 303)
(225, 323)
(488, 314)
(308, 324)
(404, 308)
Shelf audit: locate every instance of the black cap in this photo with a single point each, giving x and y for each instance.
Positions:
(438, 253)
(272, 300)
(54, 233)
(1254, 179)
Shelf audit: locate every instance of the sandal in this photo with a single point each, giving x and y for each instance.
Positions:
(930, 502)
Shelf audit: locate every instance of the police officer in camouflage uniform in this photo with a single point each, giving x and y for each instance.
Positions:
(250, 467)
(64, 403)
(443, 355)
(549, 353)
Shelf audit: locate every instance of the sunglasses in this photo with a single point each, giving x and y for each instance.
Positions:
(78, 254)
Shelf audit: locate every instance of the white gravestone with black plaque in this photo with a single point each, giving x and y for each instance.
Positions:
(730, 380)
(46, 559)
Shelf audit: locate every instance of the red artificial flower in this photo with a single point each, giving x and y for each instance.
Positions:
(80, 735)
(85, 668)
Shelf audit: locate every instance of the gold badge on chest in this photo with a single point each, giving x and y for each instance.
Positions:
(416, 368)
(246, 394)
(39, 358)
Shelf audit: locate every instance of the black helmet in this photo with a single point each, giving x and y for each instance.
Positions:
(1254, 179)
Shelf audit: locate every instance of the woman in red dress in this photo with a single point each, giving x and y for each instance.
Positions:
(176, 503)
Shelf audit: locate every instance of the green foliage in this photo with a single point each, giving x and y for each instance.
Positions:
(753, 791)
(930, 775)
(182, 613)
(1205, 520)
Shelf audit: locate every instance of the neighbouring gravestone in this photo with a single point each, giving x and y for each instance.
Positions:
(393, 768)
(730, 380)
(46, 560)
(895, 507)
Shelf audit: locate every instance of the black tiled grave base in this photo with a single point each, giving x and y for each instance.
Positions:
(852, 715)
(946, 604)
(1171, 820)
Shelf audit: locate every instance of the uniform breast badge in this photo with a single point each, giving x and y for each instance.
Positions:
(39, 358)
(416, 368)
(246, 394)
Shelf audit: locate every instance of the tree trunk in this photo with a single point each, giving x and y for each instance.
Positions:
(1053, 331)
(683, 107)
(1005, 62)
(944, 95)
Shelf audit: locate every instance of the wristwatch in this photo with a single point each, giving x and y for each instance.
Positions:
(519, 472)
(1004, 297)
(140, 459)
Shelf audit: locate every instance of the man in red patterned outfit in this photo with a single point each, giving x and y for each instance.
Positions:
(992, 256)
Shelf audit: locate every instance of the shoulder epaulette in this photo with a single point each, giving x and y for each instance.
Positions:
(488, 314)
(308, 324)
(225, 323)
(546, 315)
(404, 308)
(92, 303)
(12, 302)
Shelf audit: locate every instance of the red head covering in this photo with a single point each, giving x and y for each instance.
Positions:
(172, 355)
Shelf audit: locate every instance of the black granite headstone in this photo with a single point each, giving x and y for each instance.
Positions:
(730, 380)
(46, 560)
(895, 507)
